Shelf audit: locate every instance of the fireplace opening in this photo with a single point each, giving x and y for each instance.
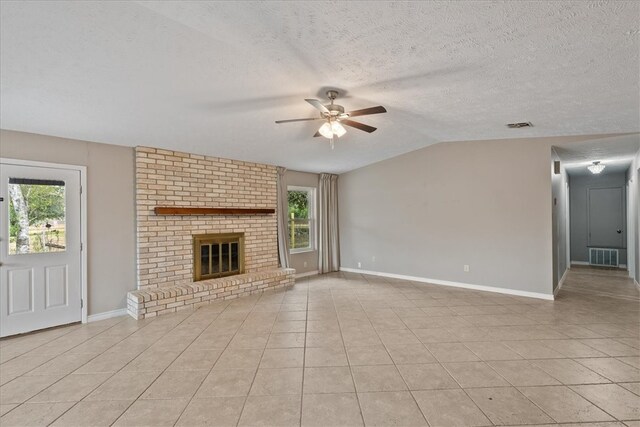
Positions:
(217, 255)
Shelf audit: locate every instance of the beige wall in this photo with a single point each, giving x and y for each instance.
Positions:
(304, 179)
(487, 204)
(110, 208)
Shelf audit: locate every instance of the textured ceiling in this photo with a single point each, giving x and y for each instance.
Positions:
(211, 77)
(616, 152)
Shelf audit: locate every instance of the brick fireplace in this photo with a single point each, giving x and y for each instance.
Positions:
(165, 243)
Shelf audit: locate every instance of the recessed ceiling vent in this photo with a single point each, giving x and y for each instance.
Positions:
(519, 125)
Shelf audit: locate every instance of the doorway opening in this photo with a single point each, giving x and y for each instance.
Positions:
(596, 183)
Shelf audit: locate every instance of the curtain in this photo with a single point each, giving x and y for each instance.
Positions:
(328, 244)
(282, 212)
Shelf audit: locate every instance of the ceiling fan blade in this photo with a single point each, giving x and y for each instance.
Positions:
(298, 120)
(317, 134)
(358, 125)
(366, 111)
(317, 104)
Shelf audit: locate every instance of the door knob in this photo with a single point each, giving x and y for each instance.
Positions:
(618, 231)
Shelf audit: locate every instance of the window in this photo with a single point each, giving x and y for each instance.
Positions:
(301, 219)
(36, 216)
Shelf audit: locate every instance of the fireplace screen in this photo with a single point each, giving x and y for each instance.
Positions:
(217, 255)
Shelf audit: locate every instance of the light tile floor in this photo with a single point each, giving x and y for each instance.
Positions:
(343, 349)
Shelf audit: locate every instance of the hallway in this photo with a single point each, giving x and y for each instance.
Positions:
(592, 281)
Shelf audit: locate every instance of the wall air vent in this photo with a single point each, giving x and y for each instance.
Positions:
(603, 257)
(519, 125)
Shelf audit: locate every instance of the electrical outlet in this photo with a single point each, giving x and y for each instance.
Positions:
(305, 263)
(359, 265)
(466, 268)
(373, 258)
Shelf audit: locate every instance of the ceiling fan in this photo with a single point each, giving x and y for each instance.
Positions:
(334, 117)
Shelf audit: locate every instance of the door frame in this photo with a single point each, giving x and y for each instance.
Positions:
(83, 218)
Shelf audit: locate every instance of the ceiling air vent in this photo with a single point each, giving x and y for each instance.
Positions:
(519, 125)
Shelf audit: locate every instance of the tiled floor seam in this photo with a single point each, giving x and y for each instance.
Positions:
(594, 404)
(397, 370)
(246, 398)
(66, 375)
(58, 337)
(185, 349)
(304, 355)
(353, 382)
(123, 367)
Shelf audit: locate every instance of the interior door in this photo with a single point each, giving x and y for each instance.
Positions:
(40, 253)
(606, 217)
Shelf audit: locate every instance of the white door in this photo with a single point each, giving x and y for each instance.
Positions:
(40, 253)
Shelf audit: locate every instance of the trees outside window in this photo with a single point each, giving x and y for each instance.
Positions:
(301, 219)
(36, 216)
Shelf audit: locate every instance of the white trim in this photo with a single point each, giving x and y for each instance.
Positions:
(107, 315)
(83, 240)
(621, 266)
(454, 284)
(636, 282)
(83, 217)
(560, 283)
(301, 250)
(307, 274)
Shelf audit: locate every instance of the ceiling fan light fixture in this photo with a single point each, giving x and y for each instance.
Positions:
(332, 129)
(335, 119)
(596, 168)
(326, 131)
(338, 129)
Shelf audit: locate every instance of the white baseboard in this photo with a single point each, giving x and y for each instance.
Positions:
(561, 282)
(107, 315)
(621, 266)
(454, 284)
(637, 284)
(307, 274)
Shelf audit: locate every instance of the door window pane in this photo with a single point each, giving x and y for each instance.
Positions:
(36, 216)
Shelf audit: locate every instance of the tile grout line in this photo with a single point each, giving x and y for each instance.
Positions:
(66, 375)
(54, 339)
(442, 367)
(346, 353)
(127, 364)
(255, 374)
(304, 351)
(160, 372)
(612, 330)
(214, 363)
(122, 369)
(97, 355)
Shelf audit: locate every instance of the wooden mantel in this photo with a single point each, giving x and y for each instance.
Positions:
(176, 210)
